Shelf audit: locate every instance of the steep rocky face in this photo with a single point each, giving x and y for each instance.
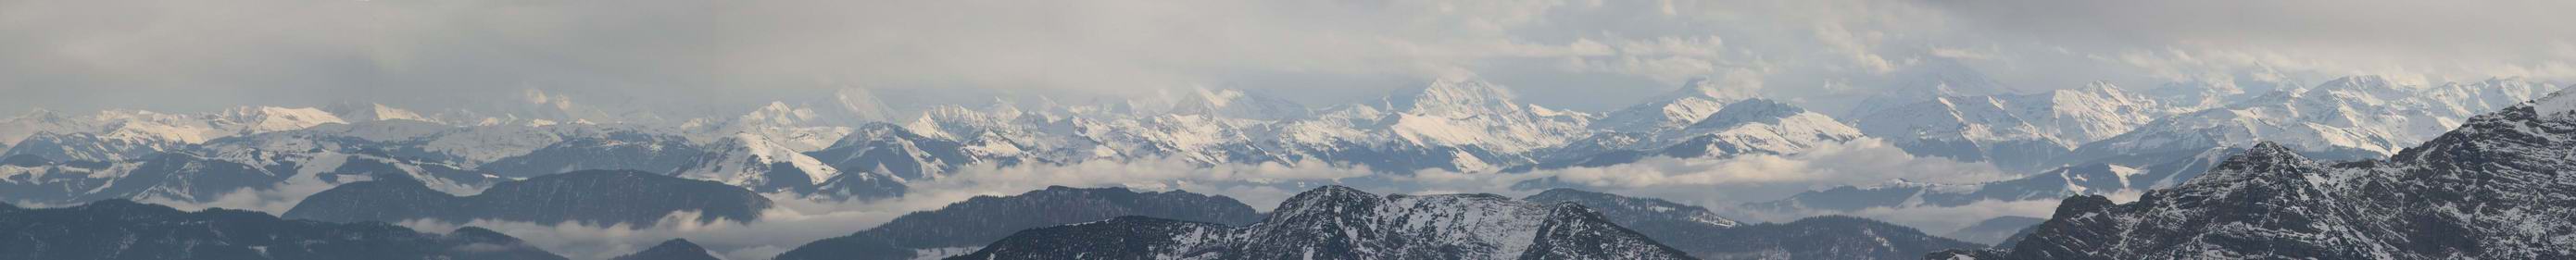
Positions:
(1692, 229)
(2490, 189)
(119, 229)
(595, 197)
(979, 221)
(1335, 222)
(676, 249)
(2267, 202)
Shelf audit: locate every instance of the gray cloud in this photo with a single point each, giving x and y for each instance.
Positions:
(1584, 54)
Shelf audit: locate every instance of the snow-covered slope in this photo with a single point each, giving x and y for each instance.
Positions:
(750, 161)
(2015, 131)
(253, 120)
(1750, 126)
(798, 129)
(889, 149)
(1756, 126)
(90, 147)
(2205, 93)
(42, 121)
(2349, 118)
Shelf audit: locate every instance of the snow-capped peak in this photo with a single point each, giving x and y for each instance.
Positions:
(860, 105)
(252, 120)
(1681, 107)
(41, 115)
(778, 114)
(1749, 111)
(1230, 103)
(373, 112)
(2558, 103)
(1455, 98)
(748, 160)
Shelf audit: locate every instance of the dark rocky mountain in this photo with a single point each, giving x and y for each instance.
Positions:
(1335, 222)
(1995, 230)
(676, 249)
(1690, 229)
(120, 229)
(601, 197)
(2495, 188)
(1632, 210)
(959, 227)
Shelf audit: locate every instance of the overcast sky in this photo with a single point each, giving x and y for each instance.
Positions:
(1588, 55)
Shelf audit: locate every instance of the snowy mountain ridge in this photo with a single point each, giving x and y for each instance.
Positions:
(2489, 189)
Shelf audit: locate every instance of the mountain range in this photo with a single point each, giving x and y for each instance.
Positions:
(2489, 189)
(1335, 222)
(519, 159)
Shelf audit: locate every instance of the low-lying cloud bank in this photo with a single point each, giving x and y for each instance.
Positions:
(1715, 183)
